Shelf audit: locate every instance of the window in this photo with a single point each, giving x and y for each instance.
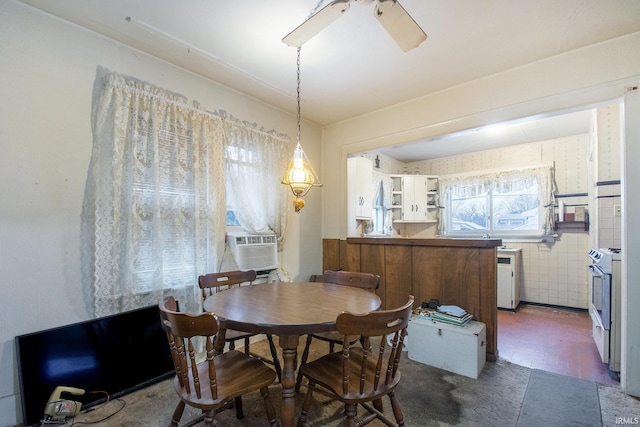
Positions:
(171, 196)
(382, 222)
(508, 203)
(153, 211)
(233, 161)
(254, 161)
(494, 211)
(379, 212)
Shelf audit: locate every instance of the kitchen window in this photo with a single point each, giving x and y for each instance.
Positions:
(513, 203)
(382, 222)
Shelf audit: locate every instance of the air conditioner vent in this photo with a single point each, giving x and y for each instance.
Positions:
(254, 252)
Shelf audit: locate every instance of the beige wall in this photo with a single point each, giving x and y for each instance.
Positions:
(50, 72)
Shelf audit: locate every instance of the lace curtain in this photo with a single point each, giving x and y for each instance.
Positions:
(474, 184)
(255, 162)
(384, 181)
(154, 208)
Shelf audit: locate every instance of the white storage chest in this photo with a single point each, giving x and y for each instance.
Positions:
(459, 349)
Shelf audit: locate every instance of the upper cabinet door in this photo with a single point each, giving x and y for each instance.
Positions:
(414, 200)
(360, 188)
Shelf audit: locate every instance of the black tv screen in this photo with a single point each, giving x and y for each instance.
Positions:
(116, 354)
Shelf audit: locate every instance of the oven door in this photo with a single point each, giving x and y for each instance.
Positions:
(600, 329)
(601, 295)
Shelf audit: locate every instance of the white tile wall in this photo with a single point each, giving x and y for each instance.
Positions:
(609, 160)
(556, 274)
(609, 231)
(609, 225)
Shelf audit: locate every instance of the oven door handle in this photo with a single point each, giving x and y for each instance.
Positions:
(595, 271)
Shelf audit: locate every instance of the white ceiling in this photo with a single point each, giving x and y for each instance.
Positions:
(353, 66)
(523, 131)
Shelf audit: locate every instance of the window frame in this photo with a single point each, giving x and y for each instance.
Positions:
(490, 181)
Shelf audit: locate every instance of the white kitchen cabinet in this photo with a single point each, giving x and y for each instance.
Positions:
(508, 277)
(459, 349)
(415, 198)
(360, 188)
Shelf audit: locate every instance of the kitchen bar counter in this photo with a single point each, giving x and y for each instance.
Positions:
(461, 272)
(437, 241)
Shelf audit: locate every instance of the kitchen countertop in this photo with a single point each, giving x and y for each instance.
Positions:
(437, 241)
(501, 249)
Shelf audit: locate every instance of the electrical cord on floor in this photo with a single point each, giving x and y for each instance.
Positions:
(103, 418)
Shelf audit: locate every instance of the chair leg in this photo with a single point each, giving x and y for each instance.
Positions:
(305, 356)
(274, 355)
(268, 406)
(350, 410)
(209, 417)
(397, 411)
(306, 404)
(177, 414)
(238, 405)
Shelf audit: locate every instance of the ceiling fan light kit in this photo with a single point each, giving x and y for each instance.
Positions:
(392, 16)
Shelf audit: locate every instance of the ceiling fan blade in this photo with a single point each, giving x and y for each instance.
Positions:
(399, 24)
(315, 23)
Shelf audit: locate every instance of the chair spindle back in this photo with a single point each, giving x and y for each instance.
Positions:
(373, 328)
(183, 329)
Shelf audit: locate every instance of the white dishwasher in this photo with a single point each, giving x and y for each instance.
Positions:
(508, 277)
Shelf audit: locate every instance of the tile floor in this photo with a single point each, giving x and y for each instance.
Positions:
(551, 339)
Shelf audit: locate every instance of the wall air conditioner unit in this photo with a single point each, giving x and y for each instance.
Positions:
(254, 252)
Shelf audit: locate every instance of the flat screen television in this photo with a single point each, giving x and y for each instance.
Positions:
(115, 354)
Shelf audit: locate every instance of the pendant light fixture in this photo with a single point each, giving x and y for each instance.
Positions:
(300, 176)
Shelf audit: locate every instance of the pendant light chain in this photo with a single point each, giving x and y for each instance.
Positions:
(298, 95)
(300, 176)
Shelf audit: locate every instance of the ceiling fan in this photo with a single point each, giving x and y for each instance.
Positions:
(391, 15)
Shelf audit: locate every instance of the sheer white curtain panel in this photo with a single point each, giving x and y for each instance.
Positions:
(154, 207)
(255, 162)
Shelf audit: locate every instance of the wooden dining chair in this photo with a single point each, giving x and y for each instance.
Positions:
(367, 281)
(212, 283)
(218, 382)
(365, 371)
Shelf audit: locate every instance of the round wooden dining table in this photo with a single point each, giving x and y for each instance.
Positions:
(288, 310)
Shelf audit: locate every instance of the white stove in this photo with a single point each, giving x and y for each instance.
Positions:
(604, 303)
(604, 257)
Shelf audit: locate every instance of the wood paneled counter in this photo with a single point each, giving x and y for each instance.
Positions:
(455, 271)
